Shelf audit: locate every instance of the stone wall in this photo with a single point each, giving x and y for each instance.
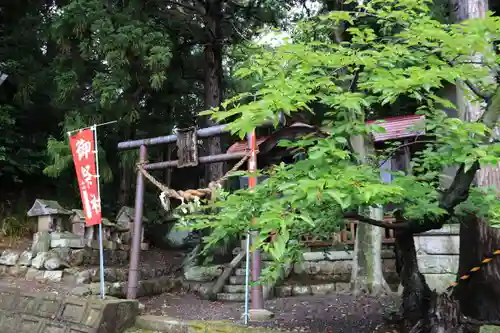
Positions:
(49, 313)
(330, 271)
(327, 272)
(437, 254)
(56, 264)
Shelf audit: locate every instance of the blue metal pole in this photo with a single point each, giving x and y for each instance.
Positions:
(247, 278)
(101, 249)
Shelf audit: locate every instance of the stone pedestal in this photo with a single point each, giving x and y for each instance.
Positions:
(259, 315)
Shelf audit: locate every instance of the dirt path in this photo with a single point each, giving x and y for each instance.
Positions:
(315, 314)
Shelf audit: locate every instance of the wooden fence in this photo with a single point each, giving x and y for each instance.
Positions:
(346, 236)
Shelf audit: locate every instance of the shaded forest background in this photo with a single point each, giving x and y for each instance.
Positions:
(152, 66)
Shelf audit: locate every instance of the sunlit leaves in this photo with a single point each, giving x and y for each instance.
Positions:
(407, 53)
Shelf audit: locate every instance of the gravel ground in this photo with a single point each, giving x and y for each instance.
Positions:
(315, 314)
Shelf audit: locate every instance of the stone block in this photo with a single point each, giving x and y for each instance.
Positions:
(41, 242)
(437, 244)
(438, 264)
(324, 267)
(298, 290)
(45, 223)
(161, 324)
(55, 276)
(328, 255)
(284, 291)
(72, 243)
(323, 289)
(34, 274)
(447, 229)
(439, 282)
(203, 273)
(49, 313)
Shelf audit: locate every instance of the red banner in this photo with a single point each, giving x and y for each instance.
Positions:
(83, 149)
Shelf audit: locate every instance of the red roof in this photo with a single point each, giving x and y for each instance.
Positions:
(241, 146)
(395, 128)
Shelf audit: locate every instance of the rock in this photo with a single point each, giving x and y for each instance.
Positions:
(39, 261)
(259, 315)
(54, 262)
(55, 276)
(63, 253)
(95, 288)
(25, 258)
(83, 277)
(9, 258)
(203, 273)
(41, 243)
(76, 257)
(142, 307)
(110, 275)
(177, 238)
(81, 291)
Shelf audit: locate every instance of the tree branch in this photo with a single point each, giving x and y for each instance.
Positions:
(484, 96)
(467, 320)
(457, 193)
(377, 223)
(395, 149)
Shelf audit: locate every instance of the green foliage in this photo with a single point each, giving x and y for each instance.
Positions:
(396, 49)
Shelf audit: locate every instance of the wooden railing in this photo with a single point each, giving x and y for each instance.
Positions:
(346, 236)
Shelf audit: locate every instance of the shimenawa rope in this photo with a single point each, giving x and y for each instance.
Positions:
(188, 195)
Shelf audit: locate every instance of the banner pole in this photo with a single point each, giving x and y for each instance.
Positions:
(101, 250)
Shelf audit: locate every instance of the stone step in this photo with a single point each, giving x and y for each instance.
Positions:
(264, 263)
(149, 287)
(228, 297)
(240, 272)
(234, 288)
(237, 279)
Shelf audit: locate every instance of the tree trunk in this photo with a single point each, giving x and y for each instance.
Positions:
(480, 297)
(367, 274)
(126, 174)
(213, 76)
(416, 292)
